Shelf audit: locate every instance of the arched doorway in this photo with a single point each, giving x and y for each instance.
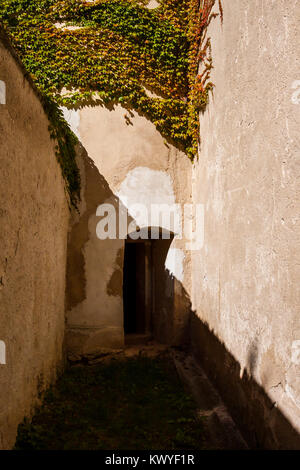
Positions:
(147, 287)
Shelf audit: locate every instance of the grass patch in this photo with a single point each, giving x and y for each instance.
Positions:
(136, 403)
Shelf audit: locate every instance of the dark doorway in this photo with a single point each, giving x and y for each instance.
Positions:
(148, 289)
(134, 288)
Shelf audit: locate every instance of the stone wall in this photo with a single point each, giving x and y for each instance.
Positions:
(34, 218)
(245, 292)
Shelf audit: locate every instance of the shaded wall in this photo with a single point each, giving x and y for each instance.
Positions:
(124, 161)
(94, 273)
(33, 237)
(245, 280)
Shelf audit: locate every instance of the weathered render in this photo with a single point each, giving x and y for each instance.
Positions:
(245, 294)
(124, 161)
(34, 218)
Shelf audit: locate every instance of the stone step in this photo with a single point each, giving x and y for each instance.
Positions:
(221, 430)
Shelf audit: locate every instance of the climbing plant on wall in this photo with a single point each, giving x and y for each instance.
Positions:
(116, 51)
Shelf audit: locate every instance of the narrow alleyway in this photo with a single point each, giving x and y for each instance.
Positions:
(145, 397)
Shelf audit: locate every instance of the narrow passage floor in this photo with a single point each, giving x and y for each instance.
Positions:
(146, 397)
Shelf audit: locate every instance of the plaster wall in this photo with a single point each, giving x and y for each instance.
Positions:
(34, 218)
(129, 163)
(245, 280)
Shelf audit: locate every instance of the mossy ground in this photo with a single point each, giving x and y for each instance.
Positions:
(136, 403)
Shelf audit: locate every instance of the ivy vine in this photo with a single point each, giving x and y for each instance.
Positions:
(116, 51)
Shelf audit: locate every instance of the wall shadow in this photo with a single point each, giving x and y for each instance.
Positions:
(260, 421)
(84, 277)
(95, 190)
